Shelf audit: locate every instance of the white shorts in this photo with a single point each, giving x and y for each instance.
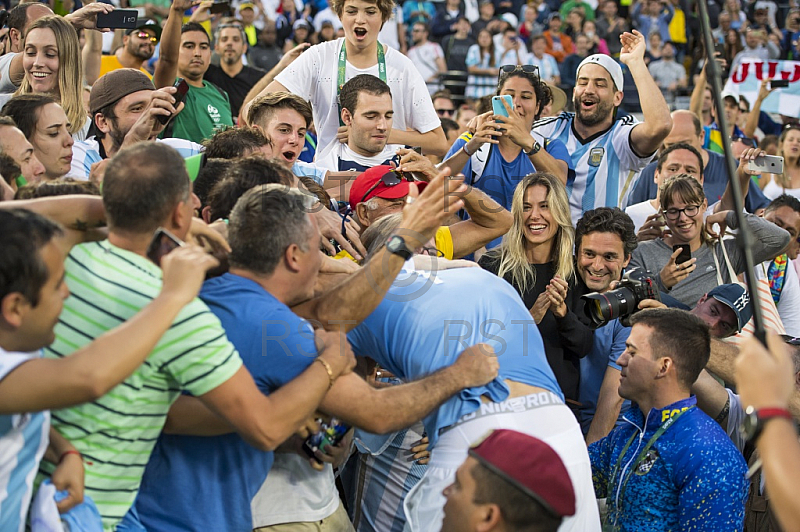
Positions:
(554, 424)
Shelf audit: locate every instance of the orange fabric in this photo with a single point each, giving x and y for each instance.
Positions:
(566, 43)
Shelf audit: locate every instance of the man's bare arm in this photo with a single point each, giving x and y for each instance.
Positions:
(167, 66)
(487, 220)
(609, 404)
(390, 409)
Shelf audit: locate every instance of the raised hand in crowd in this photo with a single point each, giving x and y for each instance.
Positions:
(653, 227)
(86, 17)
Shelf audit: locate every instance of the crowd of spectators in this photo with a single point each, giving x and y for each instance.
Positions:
(357, 265)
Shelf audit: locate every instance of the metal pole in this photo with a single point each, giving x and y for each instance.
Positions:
(744, 237)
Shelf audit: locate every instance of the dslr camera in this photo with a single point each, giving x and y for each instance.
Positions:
(623, 300)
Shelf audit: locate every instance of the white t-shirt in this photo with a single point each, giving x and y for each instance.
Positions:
(424, 58)
(388, 34)
(313, 76)
(640, 212)
(23, 440)
(341, 158)
(773, 190)
(6, 86)
(293, 492)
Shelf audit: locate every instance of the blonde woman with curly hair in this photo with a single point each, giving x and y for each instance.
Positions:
(51, 65)
(536, 258)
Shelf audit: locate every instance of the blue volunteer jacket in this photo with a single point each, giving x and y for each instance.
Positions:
(691, 478)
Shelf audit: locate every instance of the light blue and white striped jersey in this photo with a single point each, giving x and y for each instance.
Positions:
(606, 167)
(87, 152)
(377, 478)
(23, 440)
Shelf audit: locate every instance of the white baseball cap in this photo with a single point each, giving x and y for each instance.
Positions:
(605, 61)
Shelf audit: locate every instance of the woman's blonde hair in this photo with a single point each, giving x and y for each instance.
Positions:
(689, 190)
(70, 70)
(512, 252)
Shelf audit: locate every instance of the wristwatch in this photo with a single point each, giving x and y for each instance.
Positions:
(755, 420)
(397, 245)
(534, 149)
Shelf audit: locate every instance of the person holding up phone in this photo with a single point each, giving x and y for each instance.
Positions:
(503, 149)
(186, 53)
(126, 109)
(684, 205)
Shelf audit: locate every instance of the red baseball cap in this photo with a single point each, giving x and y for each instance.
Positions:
(368, 185)
(529, 464)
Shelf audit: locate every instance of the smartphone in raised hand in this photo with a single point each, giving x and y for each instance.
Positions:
(119, 18)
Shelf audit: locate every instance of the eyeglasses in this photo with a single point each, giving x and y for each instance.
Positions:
(146, 36)
(746, 141)
(445, 112)
(690, 211)
(528, 69)
(791, 126)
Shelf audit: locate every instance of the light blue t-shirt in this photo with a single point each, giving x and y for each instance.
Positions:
(207, 483)
(428, 318)
(310, 170)
(23, 440)
(609, 343)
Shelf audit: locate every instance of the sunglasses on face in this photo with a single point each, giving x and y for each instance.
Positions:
(746, 141)
(146, 36)
(445, 112)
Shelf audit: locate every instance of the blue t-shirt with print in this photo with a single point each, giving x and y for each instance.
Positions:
(217, 477)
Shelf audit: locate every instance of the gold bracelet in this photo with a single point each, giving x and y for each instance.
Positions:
(327, 367)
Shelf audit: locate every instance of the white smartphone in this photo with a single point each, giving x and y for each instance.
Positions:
(770, 164)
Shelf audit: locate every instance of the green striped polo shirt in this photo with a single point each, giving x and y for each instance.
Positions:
(116, 433)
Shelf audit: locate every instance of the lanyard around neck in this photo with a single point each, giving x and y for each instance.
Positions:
(661, 430)
(343, 65)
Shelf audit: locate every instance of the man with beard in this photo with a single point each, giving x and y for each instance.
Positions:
(138, 46)
(232, 76)
(608, 154)
(124, 101)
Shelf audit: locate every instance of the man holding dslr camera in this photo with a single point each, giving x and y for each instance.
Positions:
(605, 240)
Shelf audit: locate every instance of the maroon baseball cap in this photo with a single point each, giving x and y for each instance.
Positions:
(372, 184)
(529, 464)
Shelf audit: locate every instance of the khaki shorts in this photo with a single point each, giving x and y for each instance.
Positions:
(336, 522)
